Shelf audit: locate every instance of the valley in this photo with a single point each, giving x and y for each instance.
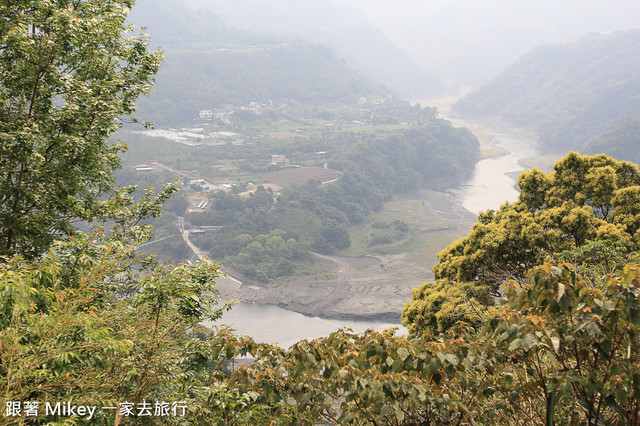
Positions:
(244, 212)
(364, 283)
(330, 199)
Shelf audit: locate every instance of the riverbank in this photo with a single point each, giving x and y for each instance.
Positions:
(494, 179)
(368, 287)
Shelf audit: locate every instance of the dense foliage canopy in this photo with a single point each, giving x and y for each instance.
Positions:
(68, 72)
(82, 326)
(561, 351)
(585, 199)
(94, 324)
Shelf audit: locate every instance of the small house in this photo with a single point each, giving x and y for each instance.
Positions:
(279, 161)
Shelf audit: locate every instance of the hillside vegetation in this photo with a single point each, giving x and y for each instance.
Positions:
(268, 234)
(569, 93)
(621, 141)
(344, 29)
(209, 63)
(93, 331)
(317, 217)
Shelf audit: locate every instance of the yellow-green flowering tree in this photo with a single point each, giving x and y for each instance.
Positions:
(583, 200)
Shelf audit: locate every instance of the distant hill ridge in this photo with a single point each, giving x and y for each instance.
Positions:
(345, 29)
(570, 94)
(209, 63)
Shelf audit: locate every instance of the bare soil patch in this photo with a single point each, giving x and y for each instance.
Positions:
(362, 287)
(288, 135)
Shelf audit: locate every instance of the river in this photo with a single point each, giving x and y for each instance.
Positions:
(493, 179)
(272, 324)
(491, 184)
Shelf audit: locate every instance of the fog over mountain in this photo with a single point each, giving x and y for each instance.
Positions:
(470, 41)
(209, 62)
(344, 28)
(570, 93)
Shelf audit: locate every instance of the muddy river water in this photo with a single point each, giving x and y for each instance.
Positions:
(493, 179)
(491, 184)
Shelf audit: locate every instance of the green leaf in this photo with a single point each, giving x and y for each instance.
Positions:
(398, 366)
(403, 353)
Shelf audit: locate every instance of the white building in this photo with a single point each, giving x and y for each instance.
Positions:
(206, 113)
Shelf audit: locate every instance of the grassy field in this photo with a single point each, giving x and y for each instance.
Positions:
(428, 234)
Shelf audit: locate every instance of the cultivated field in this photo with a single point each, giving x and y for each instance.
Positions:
(300, 175)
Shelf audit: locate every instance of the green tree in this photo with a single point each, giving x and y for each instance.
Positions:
(560, 351)
(584, 199)
(438, 306)
(568, 348)
(94, 322)
(335, 234)
(69, 72)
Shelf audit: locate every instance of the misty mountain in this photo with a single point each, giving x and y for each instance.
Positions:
(619, 142)
(345, 29)
(471, 41)
(568, 93)
(209, 63)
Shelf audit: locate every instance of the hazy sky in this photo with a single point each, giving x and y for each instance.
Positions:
(388, 14)
(454, 36)
(394, 15)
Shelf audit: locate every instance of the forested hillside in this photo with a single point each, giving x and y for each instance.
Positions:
(267, 236)
(621, 141)
(209, 63)
(345, 30)
(569, 93)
